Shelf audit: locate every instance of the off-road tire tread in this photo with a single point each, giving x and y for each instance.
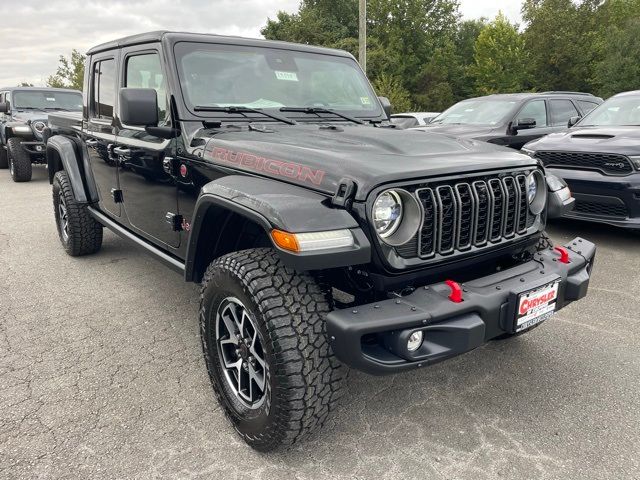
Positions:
(22, 168)
(293, 306)
(85, 233)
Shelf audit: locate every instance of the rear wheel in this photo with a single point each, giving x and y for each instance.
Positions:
(19, 161)
(265, 346)
(79, 233)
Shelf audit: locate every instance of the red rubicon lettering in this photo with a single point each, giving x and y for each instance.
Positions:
(266, 165)
(529, 303)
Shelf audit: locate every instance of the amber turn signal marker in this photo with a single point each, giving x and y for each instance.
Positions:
(285, 240)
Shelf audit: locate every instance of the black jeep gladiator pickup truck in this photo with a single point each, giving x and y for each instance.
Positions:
(323, 237)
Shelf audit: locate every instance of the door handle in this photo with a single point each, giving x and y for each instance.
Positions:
(91, 142)
(120, 151)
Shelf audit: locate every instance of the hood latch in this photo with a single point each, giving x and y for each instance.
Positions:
(345, 193)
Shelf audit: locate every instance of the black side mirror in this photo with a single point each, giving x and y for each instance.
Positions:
(524, 124)
(573, 120)
(138, 107)
(386, 105)
(4, 107)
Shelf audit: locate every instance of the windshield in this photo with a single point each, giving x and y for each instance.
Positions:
(476, 112)
(623, 110)
(213, 75)
(46, 100)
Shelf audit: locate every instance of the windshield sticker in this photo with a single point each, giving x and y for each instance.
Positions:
(265, 165)
(288, 76)
(365, 100)
(49, 99)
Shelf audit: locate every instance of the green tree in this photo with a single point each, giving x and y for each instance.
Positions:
(391, 87)
(500, 58)
(70, 73)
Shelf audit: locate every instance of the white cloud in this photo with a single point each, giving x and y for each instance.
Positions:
(35, 33)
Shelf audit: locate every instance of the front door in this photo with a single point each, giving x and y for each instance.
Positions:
(145, 169)
(100, 136)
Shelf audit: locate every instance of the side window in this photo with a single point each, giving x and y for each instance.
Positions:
(586, 107)
(536, 110)
(561, 111)
(104, 89)
(144, 71)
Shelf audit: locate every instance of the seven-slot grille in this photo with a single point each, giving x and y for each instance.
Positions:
(608, 163)
(461, 215)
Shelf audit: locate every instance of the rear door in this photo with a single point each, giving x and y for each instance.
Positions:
(145, 162)
(560, 111)
(100, 134)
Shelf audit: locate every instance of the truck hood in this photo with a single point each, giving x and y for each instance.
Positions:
(32, 115)
(623, 140)
(319, 157)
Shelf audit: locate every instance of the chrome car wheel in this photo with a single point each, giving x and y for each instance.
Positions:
(64, 217)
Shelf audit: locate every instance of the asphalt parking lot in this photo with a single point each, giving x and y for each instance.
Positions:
(101, 376)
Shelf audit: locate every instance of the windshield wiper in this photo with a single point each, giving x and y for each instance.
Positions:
(318, 110)
(59, 109)
(27, 108)
(242, 110)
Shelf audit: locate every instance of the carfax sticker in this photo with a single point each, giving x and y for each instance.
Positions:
(287, 76)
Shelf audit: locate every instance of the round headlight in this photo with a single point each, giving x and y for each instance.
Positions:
(536, 192)
(387, 213)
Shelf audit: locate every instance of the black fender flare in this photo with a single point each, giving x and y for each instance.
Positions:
(277, 205)
(65, 153)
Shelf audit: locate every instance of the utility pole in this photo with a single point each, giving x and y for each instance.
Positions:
(362, 35)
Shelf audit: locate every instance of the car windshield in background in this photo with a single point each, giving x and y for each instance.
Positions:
(475, 112)
(46, 100)
(213, 75)
(623, 110)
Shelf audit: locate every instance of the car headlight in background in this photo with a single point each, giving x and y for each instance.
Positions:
(528, 151)
(636, 161)
(396, 216)
(387, 213)
(536, 192)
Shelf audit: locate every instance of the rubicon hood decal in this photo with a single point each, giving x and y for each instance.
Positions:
(266, 165)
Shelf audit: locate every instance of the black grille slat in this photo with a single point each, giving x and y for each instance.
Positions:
(511, 203)
(607, 163)
(446, 202)
(496, 190)
(466, 212)
(523, 218)
(462, 215)
(483, 209)
(427, 233)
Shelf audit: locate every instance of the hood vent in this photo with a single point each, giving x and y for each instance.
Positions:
(592, 135)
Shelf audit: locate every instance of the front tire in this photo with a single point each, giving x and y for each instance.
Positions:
(79, 232)
(19, 161)
(265, 346)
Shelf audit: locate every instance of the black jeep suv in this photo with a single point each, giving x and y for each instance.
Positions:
(599, 157)
(323, 237)
(512, 119)
(23, 118)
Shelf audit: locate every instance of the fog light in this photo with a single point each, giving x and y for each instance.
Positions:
(415, 340)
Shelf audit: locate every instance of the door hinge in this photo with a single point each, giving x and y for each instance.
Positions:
(345, 193)
(175, 221)
(117, 195)
(170, 166)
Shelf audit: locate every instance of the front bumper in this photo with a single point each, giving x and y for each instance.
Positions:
(487, 311)
(34, 147)
(603, 198)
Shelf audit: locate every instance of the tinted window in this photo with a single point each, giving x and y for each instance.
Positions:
(561, 111)
(104, 88)
(144, 71)
(535, 110)
(586, 106)
(46, 100)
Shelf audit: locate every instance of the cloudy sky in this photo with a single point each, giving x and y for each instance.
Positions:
(35, 33)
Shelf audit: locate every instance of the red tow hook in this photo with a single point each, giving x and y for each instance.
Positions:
(456, 291)
(564, 254)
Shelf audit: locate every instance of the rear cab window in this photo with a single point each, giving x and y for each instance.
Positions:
(103, 89)
(560, 111)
